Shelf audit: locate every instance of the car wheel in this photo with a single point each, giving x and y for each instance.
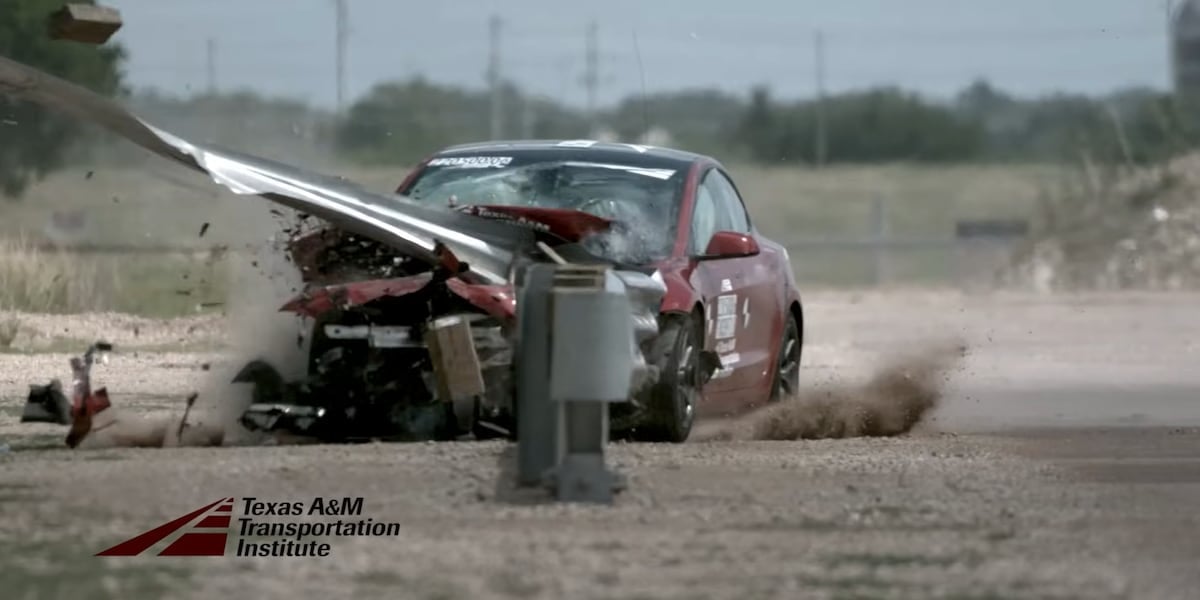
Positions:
(787, 368)
(672, 400)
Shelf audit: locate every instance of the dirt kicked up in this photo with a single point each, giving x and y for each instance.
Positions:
(892, 402)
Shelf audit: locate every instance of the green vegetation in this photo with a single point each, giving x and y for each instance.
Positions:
(402, 121)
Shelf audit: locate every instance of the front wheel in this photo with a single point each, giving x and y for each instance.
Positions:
(787, 365)
(672, 400)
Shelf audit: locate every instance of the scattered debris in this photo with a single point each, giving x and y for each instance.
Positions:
(93, 422)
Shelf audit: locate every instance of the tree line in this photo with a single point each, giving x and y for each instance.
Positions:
(401, 121)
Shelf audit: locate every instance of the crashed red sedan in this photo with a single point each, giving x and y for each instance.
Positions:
(388, 273)
(730, 325)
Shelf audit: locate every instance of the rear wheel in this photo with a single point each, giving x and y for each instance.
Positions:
(787, 367)
(672, 400)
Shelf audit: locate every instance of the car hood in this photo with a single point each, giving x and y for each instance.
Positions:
(309, 252)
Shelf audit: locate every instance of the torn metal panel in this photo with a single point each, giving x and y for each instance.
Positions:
(487, 246)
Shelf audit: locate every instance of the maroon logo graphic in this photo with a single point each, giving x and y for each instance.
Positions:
(209, 530)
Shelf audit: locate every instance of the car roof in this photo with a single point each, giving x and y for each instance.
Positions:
(635, 155)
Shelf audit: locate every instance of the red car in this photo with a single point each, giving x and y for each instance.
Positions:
(385, 267)
(731, 323)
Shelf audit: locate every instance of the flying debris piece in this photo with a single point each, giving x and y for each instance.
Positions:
(84, 23)
(191, 401)
(47, 404)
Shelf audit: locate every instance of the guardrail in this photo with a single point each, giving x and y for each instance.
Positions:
(975, 246)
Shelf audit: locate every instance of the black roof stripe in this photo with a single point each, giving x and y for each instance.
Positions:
(632, 154)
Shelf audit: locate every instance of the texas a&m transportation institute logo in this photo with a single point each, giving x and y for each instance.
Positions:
(254, 527)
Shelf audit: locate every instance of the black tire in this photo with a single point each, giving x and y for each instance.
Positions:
(672, 400)
(787, 363)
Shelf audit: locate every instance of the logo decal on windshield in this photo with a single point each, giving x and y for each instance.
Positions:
(472, 162)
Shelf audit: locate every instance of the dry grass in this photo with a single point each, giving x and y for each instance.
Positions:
(51, 282)
(9, 328)
(57, 282)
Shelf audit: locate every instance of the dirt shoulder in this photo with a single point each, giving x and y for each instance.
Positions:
(966, 506)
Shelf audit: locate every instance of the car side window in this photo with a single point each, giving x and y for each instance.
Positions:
(730, 202)
(704, 221)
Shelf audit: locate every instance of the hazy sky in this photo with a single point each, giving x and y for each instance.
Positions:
(286, 47)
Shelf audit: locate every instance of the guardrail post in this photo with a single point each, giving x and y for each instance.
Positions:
(576, 353)
(592, 350)
(536, 436)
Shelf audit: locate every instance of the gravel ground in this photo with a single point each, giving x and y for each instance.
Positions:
(1064, 462)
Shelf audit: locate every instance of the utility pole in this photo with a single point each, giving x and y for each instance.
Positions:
(591, 74)
(1172, 52)
(211, 59)
(342, 19)
(821, 140)
(494, 78)
(527, 117)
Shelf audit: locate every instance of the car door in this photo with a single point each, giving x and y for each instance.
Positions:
(719, 282)
(758, 303)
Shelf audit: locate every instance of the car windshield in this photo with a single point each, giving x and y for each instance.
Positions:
(642, 202)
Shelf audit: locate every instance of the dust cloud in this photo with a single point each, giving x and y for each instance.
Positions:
(892, 402)
(261, 281)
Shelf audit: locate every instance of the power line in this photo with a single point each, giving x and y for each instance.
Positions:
(819, 56)
(591, 73)
(342, 36)
(211, 64)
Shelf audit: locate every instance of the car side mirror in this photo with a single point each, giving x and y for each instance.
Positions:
(730, 244)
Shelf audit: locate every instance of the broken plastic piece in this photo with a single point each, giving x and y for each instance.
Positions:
(47, 404)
